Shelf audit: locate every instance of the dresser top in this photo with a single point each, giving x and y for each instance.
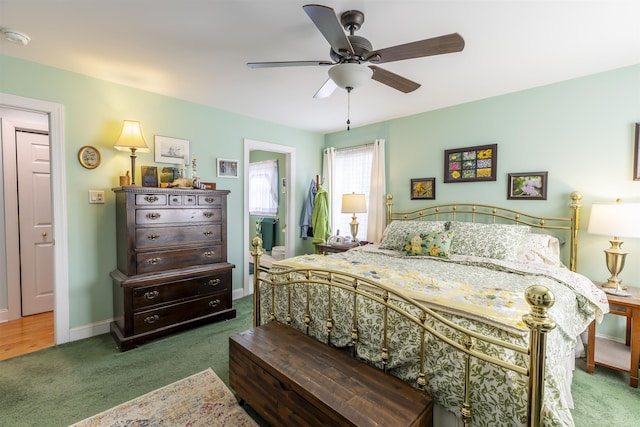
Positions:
(173, 190)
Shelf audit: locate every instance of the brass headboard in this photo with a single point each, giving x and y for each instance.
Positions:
(470, 212)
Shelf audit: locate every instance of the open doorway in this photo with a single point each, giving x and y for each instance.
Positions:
(55, 119)
(289, 205)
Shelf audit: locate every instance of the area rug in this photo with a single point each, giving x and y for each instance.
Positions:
(199, 400)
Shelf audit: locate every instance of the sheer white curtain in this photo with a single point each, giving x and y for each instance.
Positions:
(377, 206)
(327, 180)
(263, 186)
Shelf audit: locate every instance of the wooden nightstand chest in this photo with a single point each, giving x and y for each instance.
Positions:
(332, 249)
(621, 357)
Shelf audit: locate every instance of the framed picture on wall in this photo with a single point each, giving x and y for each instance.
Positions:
(171, 150)
(470, 164)
(636, 155)
(423, 188)
(227, 168)
(527, 186)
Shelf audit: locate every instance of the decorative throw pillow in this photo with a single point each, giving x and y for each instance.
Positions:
(395, 233)
(497, 241)
(435, 243)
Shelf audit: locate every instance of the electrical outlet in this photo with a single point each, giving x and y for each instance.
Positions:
(96, 196)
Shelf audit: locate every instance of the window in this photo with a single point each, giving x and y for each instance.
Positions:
(263, 188)
(351, 174)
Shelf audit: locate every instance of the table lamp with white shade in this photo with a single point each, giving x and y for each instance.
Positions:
(354, 203)
(131, 139)
(617, 220)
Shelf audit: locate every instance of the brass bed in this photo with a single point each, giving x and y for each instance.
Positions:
(492, 375)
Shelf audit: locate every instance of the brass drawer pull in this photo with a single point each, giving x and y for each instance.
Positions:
(208, 214)
(213, 282)
(190, 200)
(151, 199)
(152, 236)
(151, 294)
(153, 261)
(209, 199)
(209, 254)
(214, 303)
(153, 215)
(207, 233)
(151, 319)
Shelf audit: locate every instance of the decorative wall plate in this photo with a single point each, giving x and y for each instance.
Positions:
(89, 157)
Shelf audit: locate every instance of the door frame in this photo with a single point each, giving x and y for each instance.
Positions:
(290, 174)
(59, 206)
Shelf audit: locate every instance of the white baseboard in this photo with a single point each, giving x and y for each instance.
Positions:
(238, 293)
(4, 315)
(90, 330)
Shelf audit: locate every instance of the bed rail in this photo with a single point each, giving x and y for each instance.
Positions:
(473, 212)
(279, 286)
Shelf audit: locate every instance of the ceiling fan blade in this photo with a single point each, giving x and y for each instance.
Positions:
(433, 46)
(393, 80)
(327, 22)
(326, 90)
(287, 64)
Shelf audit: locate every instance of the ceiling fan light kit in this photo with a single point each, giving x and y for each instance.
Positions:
(349, 52)
(15, 36)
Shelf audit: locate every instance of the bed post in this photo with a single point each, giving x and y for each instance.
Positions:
(389, 205)
(256, 253)
(575, 206)
(540, 299)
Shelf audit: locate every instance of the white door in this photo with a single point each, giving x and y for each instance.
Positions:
(34, 204)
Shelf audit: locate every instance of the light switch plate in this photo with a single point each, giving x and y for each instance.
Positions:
(96, 196)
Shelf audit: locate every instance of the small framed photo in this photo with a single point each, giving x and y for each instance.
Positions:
(636, 155)
(227, 168)
(527, 186)
(149, 176)
(423, 188)
(171, 150)
(470, 164)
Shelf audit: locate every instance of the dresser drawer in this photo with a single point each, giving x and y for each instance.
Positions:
(147, 296)
(151, 199)
(182, 200)
(150, 262)
(209, 200)
(174, 216)
(163, 237)
(175, 313)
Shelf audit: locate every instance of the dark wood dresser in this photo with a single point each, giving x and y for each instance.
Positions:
(172, 262)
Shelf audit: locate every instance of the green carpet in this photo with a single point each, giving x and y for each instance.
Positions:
(65, 384)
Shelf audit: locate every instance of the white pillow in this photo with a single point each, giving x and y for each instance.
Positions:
(540, 248)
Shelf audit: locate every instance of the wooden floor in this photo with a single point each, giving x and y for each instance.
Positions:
(31, 333)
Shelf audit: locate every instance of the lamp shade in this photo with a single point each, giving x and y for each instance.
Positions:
(354, 203)
(350, 75)
(131, 138)
(615, 219)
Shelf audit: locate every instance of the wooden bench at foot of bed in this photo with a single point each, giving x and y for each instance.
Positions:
(291, 379)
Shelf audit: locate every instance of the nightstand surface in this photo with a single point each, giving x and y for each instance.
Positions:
(628, 307)
(326, 249)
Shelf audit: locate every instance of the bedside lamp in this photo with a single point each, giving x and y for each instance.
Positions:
(131, 139)
(354, 203)
(617, 220)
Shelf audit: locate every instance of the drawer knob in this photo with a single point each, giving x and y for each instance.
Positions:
(213, 282)
(151, 199)
(152, 261)
(208, 214)
(207, 233)
(209, 254)
(152, 236)
(209, 199)
(151, 319)
(153, 215)
(151, 294)
(214, 303)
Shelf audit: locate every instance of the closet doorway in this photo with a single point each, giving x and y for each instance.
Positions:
(288, 224)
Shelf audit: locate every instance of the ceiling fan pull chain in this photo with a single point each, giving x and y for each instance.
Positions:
(348, 108)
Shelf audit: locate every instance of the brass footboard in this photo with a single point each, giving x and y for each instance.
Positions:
(281, 285)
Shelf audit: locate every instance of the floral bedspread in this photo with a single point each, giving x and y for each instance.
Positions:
(479, 294)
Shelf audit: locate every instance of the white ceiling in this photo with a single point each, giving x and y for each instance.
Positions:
(197, 50)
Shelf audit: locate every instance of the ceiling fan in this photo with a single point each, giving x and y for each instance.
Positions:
(349, 53)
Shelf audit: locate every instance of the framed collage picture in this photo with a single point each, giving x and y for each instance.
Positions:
(470, 164)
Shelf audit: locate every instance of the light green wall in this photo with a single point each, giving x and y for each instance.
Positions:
(581, 131)
(94, 111)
